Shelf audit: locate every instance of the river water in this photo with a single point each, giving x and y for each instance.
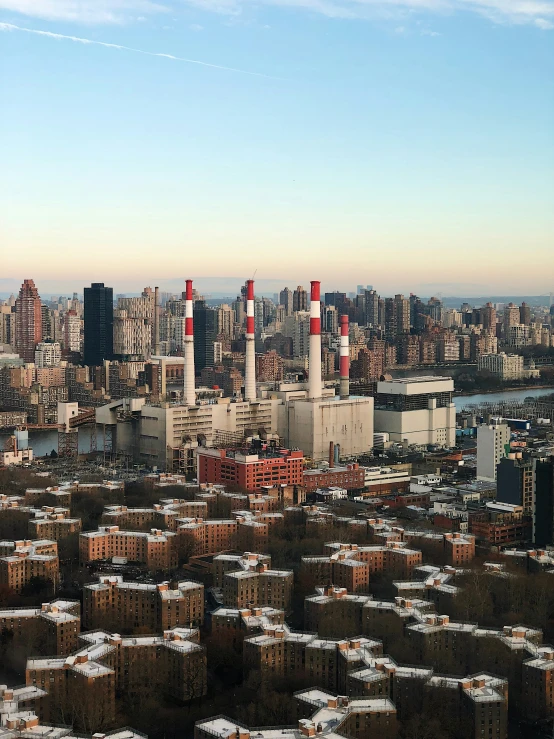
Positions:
(43, 442)
(462, 401)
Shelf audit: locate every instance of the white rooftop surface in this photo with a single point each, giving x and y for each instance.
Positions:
(416, 385)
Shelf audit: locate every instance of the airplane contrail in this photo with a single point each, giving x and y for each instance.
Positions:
(78, 40)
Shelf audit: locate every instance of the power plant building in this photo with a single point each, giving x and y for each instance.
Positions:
(306, 416)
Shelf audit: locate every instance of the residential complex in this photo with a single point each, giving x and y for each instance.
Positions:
(24, 559)
(132, 605)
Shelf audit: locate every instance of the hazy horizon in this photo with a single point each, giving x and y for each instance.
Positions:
(220, 287)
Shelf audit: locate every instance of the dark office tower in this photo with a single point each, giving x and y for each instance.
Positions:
(524, 314)
(371, 305)
(418, 314)
(515, 478)
(300, 299)
(205, 331)
(543, 520)
(285, 299)
(98, 321)
(28, 321)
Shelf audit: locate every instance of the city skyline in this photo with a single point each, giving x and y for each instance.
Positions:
(228, 287)
(362, 139)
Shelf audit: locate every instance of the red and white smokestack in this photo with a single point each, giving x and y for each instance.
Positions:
(190, 392)
(250, 364)
(315, 384)
(344, 358)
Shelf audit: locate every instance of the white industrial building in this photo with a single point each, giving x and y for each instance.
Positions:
(416, 410)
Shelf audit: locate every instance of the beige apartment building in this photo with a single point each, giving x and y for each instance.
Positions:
(145, 606)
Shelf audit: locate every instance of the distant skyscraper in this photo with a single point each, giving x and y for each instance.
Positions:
(98, 320)
(402, 309)
(300, 299)
(72, 332)
(47, 323)
(524, 314)
(28, 321)
(285, 299)
(488, 315)
(371, 305)
(205, 331)
(511, 316)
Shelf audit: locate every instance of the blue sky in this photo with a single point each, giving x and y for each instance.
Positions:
(400, 143)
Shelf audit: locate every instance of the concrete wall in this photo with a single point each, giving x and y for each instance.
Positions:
(311, 425)
(427, 426)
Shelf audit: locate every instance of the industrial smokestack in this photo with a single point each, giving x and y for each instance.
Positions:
(250, 364)
(331, 454)
(315, 384)
(190, 393)
(156, 322)
(344, 359)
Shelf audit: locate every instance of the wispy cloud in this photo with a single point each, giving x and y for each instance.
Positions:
(539, 13)
(84, 11)
(7, 27)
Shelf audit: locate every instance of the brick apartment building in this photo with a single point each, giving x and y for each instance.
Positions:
(156, 549)
(233, 625)
(108, 664)
(53, 523)
(322, 714)
(351, 477)
(231, 562)
(133, 605)
(162, 515)
(250, 471)
(54, 626)
(289, 654)
(350, 565)
(259, 586)
(24, 559)
(48, 522)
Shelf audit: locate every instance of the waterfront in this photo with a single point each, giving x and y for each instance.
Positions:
(43, 442)
(462, 401)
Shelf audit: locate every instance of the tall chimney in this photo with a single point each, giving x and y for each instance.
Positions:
(315, 384)
(331, 454)
(190, 393)
(156, 322)
(250, 365)
(344, 359)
